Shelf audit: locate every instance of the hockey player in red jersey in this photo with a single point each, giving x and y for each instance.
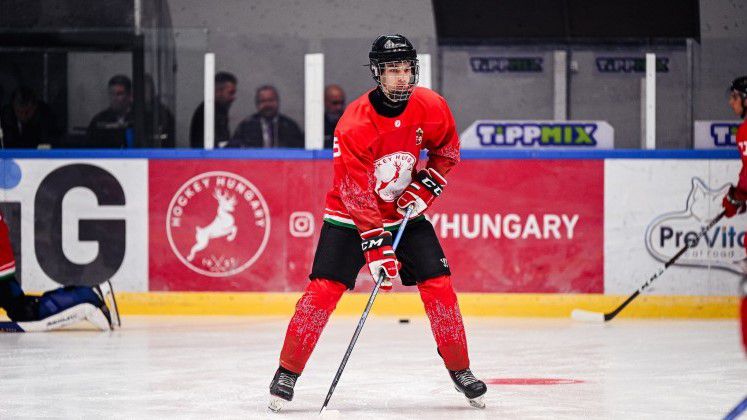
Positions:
(54, 309)
(376, 149)
(734, 201)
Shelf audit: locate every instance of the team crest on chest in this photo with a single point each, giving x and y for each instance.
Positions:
(393, 174)
(418, 136)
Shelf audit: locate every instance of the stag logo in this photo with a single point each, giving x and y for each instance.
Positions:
(721, 247)
(218, 224)
(393, 174)
(222, 225)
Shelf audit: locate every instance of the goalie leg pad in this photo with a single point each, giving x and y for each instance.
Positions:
(62, 319)
(55, 301)
(306, 325)
(442, 309)
(59, 300)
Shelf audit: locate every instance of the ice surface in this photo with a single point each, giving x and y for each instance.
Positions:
(221, 367)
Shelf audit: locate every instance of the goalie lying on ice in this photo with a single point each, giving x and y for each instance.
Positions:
(54, 309)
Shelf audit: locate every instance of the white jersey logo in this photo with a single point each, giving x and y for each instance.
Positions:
(393, 174)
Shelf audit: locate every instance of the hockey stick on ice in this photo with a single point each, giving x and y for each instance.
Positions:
(364, 316)
(589, 316)
(736, 411)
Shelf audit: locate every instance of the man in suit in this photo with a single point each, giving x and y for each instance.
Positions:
(225, 93)
(267, 127)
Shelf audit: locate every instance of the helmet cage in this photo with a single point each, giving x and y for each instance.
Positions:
(399, 92)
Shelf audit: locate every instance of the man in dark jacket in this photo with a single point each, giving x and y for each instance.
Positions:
(112, 127)
(28, 122)
(225, 93)
(268, 127)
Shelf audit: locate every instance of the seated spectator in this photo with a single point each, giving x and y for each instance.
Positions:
(109, 128)
(268, 127)
(225, 94)
(28, 122)
(334, 106)
(159, 121)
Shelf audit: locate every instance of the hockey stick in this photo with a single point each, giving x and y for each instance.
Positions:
(364, 316)
(589, 316)
(736, 411)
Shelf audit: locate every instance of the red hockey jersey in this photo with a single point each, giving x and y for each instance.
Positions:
(375, 157)
(7, 260)
(742, 145)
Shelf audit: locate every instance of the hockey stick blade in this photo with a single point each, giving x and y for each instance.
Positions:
(587, 316)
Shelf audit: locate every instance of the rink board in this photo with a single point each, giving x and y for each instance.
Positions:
(235, 231)
(409, 304)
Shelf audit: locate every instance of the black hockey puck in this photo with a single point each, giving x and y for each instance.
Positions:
(404, 321)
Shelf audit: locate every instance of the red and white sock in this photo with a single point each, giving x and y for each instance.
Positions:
(306, 325)
(442, 309)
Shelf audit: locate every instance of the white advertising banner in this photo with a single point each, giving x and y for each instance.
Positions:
(523, 134)
(652, 209)
(715, 134)
(81, 221)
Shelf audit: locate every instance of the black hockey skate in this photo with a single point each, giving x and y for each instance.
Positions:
(281, 388)
(472, 388)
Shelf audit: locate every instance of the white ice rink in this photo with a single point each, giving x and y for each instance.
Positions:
(220, 368)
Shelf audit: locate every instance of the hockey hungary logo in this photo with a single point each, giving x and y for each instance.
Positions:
(393, 174)
(721, 247)
(218, 224)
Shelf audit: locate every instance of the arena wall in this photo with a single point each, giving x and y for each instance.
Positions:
(525, 233)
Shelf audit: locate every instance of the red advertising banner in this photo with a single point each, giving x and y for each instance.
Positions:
(225, 225)
(530, 226)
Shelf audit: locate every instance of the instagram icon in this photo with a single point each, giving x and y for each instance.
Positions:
(301, 224)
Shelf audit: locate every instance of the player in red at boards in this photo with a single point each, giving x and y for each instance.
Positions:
(734, 201)
(53, 310)
(376, 148)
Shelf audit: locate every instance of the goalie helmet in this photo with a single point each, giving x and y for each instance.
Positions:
(394, 51)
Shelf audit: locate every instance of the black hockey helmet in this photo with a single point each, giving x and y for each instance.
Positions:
(394, 48)
(391, 48)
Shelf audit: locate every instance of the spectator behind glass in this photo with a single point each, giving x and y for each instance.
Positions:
(334, 105)
(28, 122)
(108, 129)
(225, 94)
(159, 121)
(268, 127)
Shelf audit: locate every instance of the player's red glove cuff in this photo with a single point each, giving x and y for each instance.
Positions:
(377, 249)
(420, 193)
(734, 201)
